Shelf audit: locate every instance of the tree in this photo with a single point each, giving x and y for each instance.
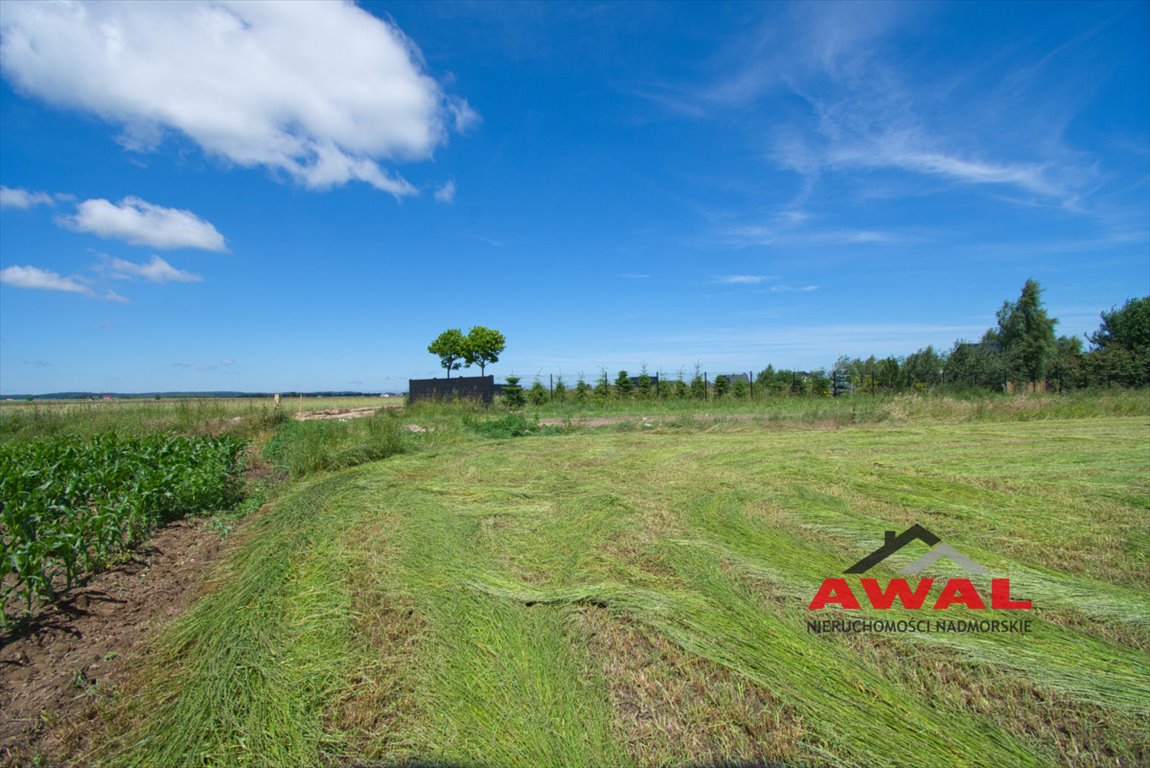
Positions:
(513, 393)
(1122, 353)
(888, 374)
(1066, 368)
(722, 384)
(483, 347)
(623, 384)
(1027, 334)
(643, 390)
(976, 365)
(698, 384)
(582, 390)
(1127, 327)
(538, 394)
(451, 347)
(923, 369)
(603, 385)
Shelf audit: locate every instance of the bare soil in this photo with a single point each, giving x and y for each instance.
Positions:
(55, 666)
(342, 414)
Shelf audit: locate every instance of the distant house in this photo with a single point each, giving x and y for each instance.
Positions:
(735, 378)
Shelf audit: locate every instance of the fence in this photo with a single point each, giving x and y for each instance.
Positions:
(461, 388)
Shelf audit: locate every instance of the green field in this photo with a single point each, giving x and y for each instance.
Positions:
(637, 595)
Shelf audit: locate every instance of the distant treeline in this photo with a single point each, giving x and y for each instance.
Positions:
(181, 395)
(1021, 353)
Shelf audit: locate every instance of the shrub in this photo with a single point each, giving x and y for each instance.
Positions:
(513, 393)
(538, 394)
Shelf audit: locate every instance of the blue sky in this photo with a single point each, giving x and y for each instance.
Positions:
(269, 197)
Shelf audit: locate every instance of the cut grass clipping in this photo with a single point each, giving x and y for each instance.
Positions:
(548, 602)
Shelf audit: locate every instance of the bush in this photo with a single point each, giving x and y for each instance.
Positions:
(538, 394)
(505, 427)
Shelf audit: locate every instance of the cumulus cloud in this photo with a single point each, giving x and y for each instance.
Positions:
(22, 198)
(155, 271)
(41, 279)
(142, 223)
(446, 193)
(46, 280)
(321, 91)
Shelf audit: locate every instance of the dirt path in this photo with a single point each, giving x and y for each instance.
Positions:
(342, 414)
(52, 667)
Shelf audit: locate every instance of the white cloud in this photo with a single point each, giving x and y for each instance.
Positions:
(156, 271)
(910, 154)
(141, 223)
(446, 193)
(793, 288)
(320, 91)
(22, 198)
(41, 279)
(743, 279)
(46, 280)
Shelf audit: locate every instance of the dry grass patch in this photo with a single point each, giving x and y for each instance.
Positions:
(671, 708)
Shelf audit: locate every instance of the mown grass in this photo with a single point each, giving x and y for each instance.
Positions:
(553, 601)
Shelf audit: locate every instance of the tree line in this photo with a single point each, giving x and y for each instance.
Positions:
(1021, 352)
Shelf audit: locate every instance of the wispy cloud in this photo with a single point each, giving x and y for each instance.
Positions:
(868, 105)
(155, 271)
(320, 91)
(745, 235)
(743, 279)
(226, 365)
(634, 276)
(45, 280)
(752, 347)
(908, 153)
(793, 288)
(41, 280)
(446, 193)
(22, 198)
(142, 223)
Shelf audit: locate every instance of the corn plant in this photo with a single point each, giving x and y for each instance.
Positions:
(70, 505)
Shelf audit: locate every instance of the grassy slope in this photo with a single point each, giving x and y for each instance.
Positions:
(640, 598)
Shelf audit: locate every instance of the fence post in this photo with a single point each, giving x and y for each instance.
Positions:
(706, 387)
(551, 378)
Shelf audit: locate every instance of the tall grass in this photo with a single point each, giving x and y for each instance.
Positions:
(864, 409)
(304, 448)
